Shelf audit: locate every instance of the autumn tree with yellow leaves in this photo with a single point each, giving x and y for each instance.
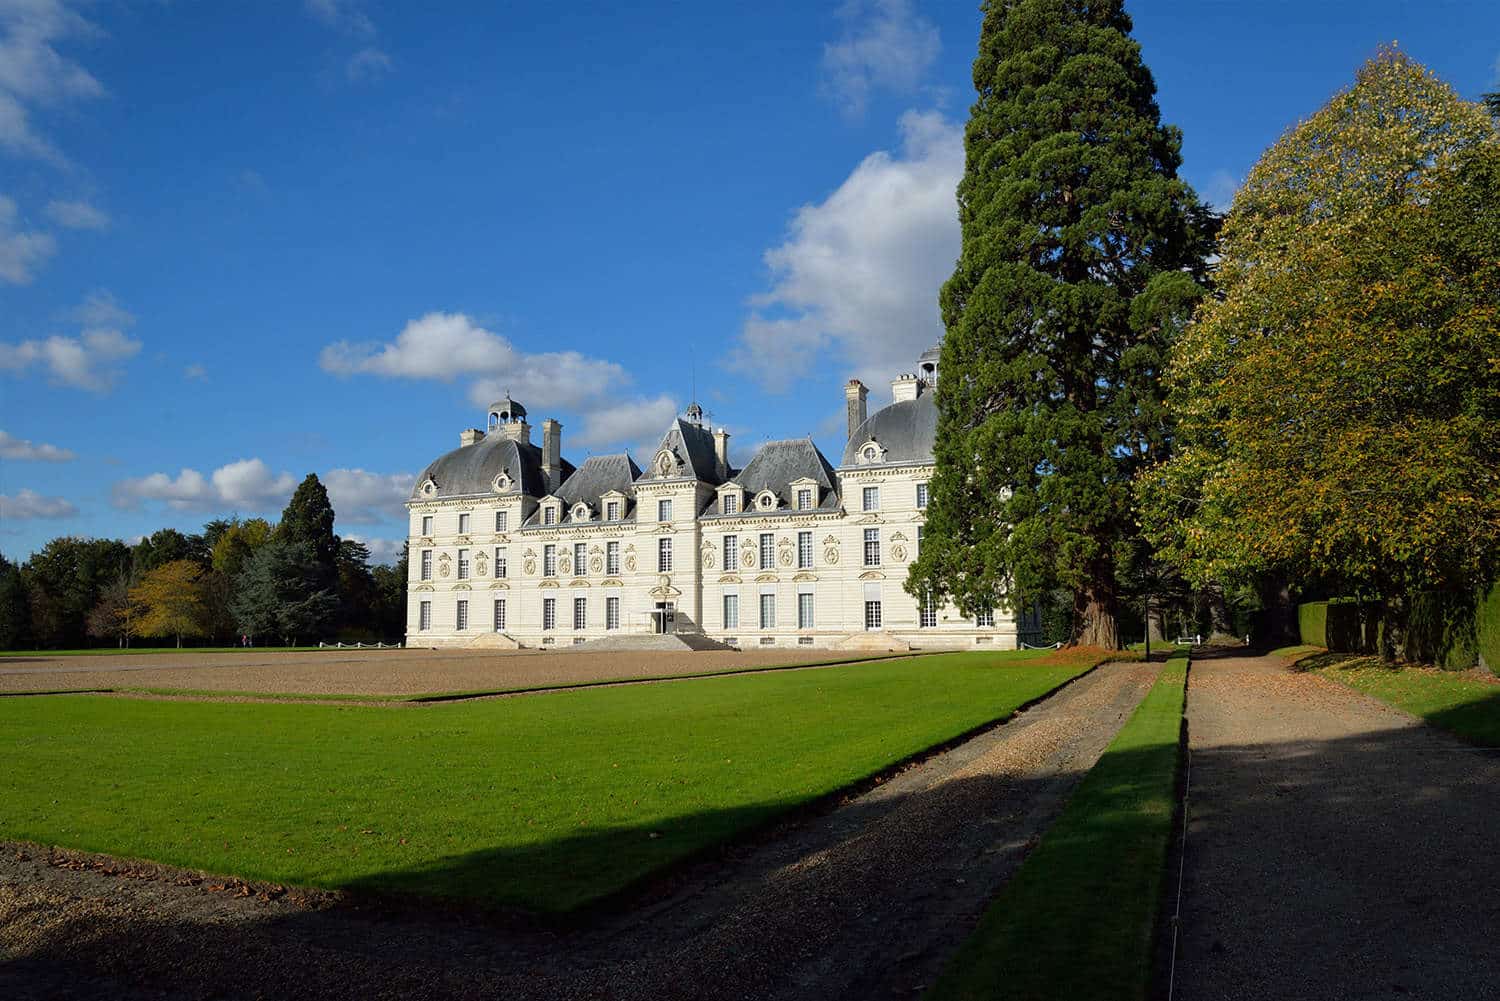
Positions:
(1338, 402)
(170, 601)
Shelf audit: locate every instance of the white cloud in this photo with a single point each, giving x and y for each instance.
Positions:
(368, 63)
(886, 45)
(21, 250)
(449, 346)
(357, 496)
(22, 450)
(247, 484)
(100, 309)
(342, 15)
(89, 361)
(859, 272)
(1220, 190)
(77, 215)
(28, 505)
(629, 422)
(196, 373)
(386, 551)
(360, 497)
(34, 74)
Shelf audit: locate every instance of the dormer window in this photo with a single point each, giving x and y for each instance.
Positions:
(729, 504)
(549, 515)
(612, 511)
(871, 452)
(765, 501)
(804, 499)
(581, 512)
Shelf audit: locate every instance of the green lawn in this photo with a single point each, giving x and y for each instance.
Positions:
(1077, 920)
(1462, 703)
(548, 802)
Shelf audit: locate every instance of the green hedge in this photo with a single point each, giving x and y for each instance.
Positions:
(1452, 631)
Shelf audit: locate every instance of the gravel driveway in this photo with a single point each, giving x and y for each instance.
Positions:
(865, 900)
(1337, 847)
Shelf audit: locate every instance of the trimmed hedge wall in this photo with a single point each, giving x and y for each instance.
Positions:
(1448, 630)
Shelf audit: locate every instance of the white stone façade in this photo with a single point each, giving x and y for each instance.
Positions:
(510, 544)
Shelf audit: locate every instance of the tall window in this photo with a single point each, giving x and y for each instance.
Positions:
(768, 611)
(612, 558)
(767, 550)
(612, 511)
(872, 615)
(463, 524)
(872, 498)
(463, 564)
(731, 504)
(731, 611)
(426, 524)
(580, 613)
(804, 499)
(663, 555)
(424, 616)
(549, 515)
(549, 613)
(731, 552)
(611, 613)
(664, 510)
(804, 550)
(872, 547)
(463, 615)
(921, 495)
(985, 618)
(927, 613)
(500, 563)
(427, 564)
(549, 561)
(499, 615)
(580, 556)
(500, 520)
(805, 610)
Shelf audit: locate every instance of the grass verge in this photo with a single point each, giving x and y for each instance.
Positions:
(1465, 704)
(547, 803)
(1077, 920)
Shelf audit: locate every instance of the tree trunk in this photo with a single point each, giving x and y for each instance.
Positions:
(1394, 613)
(1156, 625)
(1094, 619)
(1219, 623)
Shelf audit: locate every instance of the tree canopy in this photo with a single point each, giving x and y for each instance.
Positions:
(1082, 256)
(1338, 404)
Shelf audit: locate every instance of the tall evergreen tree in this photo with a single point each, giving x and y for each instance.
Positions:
(308, 521)
(1082, 256)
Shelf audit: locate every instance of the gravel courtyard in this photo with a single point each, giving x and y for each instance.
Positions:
(380, 672)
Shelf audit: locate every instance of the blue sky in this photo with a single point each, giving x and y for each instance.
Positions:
(244, 242)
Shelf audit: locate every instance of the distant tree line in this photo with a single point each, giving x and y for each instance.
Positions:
(277, 584)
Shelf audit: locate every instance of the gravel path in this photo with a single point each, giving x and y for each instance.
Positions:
(865, 900)
(379, 672)
(1337, 848)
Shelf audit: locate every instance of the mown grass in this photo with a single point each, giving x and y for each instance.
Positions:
(1077, 920)
(1462, 703)
(547, 802)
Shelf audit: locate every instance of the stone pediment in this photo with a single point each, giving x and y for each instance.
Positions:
(872, 575)
(730, 578)
(803, 577)
(767, 578)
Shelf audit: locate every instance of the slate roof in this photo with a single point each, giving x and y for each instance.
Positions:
(775, 467)
(471, 469)
(598, 475)
(695, 444)
(906, 430)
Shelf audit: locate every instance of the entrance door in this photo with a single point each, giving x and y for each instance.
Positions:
(665, 617)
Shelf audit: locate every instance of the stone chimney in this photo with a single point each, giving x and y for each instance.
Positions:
(854, 397)
(470, 436)
(552, 454)
(721, 453)
(516, 431)
(905, 387)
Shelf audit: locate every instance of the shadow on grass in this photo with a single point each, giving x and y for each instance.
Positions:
(862, 901)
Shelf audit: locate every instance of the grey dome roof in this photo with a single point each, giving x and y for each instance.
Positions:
(472, 469)
(907, 431)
